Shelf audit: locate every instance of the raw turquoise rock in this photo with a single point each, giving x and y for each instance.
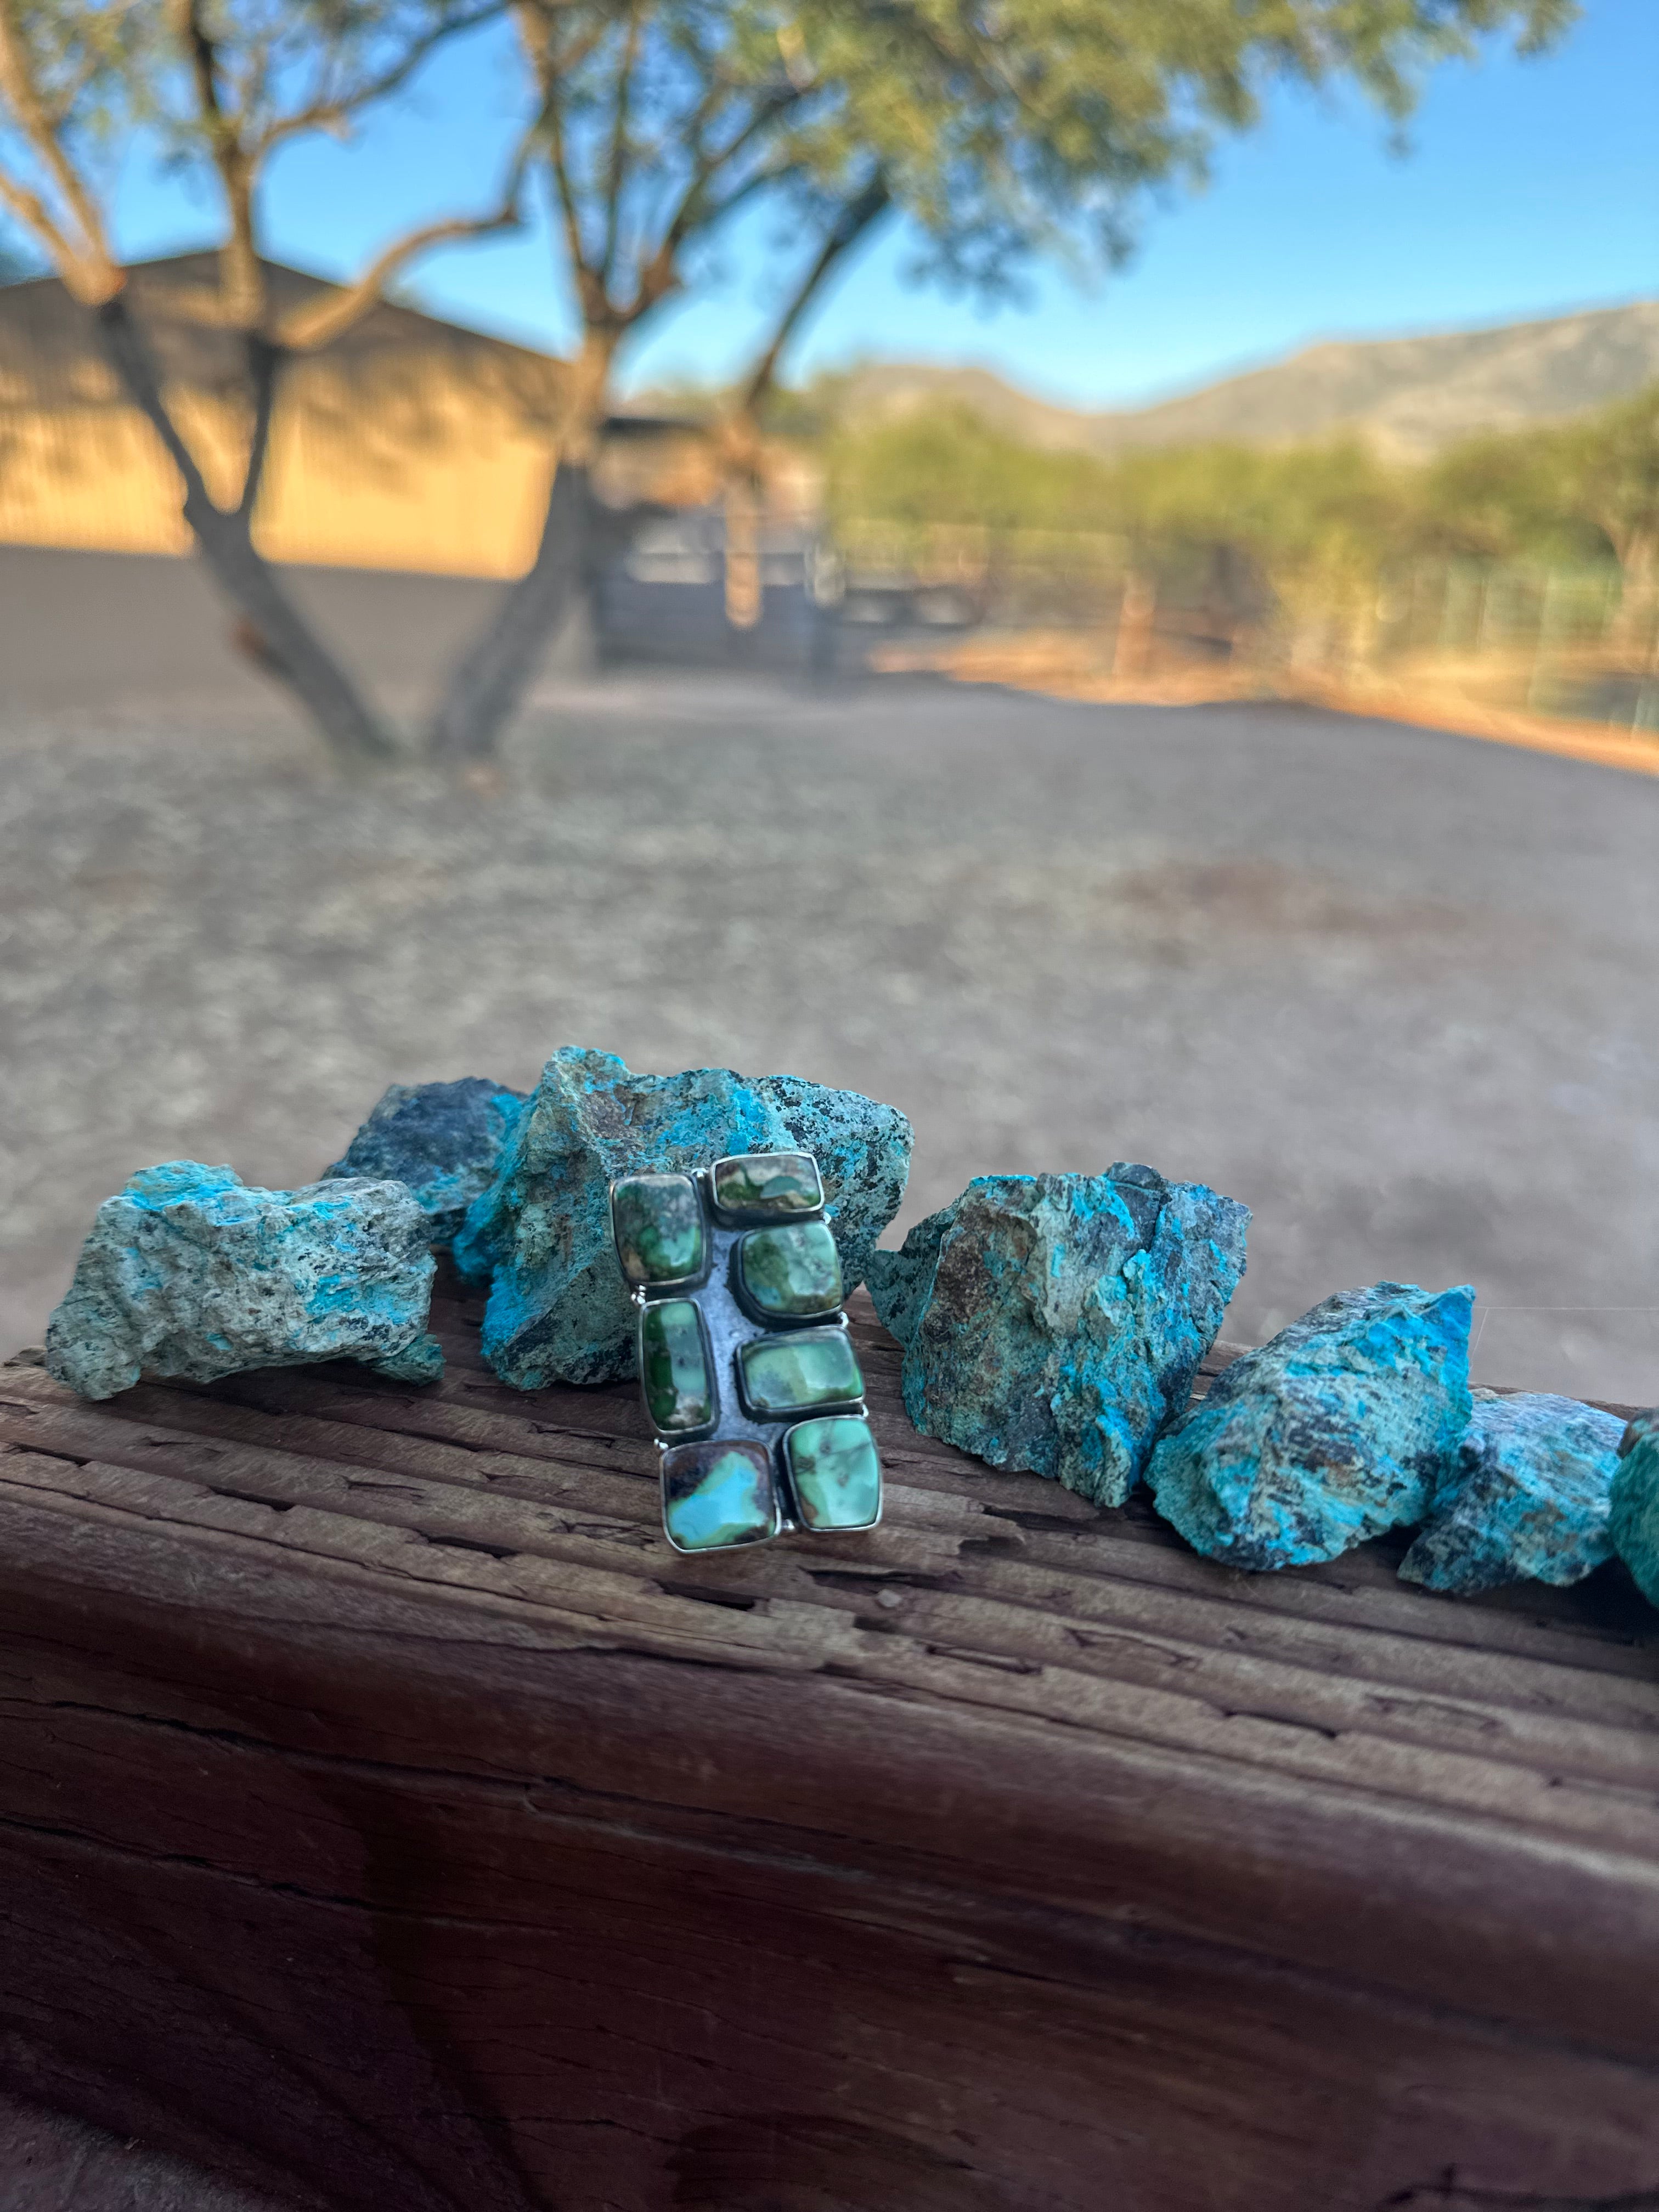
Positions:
(784, 1375)
(1633, 1508)
(767, 1186)
(790, 1274)
(718, 1495)
(1056, 1323)
(540, 1235)
(441, 1138)
(659, 1228)
(420, 1362)
(679, 1387)
(1526, 1499)
(189, 1272)
(835, 1473)
(1344, 1425)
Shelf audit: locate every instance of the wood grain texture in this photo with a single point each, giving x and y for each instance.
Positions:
(389, 1818)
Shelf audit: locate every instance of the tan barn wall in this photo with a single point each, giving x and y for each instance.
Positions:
(435, 475)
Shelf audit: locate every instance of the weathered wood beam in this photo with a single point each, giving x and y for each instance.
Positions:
(388, 1817)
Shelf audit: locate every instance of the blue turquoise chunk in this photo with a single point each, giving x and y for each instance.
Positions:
(539, 1236)
(441, 1138)
(674, 1366)
(189, 1272)
(835, 1473)
(1527, 1498)
(770, 1186)
(420, 1362)
(1346, 1425)
(658, 1219)
(785, 1375)
(1056, 1323)
(791, 1272)
(718, 1495)
(1633, 1508)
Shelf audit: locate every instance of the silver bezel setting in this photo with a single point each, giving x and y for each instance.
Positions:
(727, 1327)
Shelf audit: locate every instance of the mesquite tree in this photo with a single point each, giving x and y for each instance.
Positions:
(221, 85)
(1004, 129)
(658, 121)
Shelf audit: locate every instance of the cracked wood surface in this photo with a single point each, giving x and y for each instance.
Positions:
(388, 1817)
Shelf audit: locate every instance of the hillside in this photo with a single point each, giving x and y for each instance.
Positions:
(1407, 396)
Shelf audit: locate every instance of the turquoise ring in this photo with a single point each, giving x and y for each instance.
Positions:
(751, 1377)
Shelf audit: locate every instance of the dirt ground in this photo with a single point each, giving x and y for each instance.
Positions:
(1394, 989)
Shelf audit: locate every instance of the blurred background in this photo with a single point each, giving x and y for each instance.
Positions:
(1095, 578)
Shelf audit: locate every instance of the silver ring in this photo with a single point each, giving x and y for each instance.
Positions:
(750, 1375)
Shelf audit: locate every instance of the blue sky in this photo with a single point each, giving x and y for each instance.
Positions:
(1531, 187)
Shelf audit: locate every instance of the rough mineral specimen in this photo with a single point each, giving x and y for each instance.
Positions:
(441, 1138)
(1526, 1497)
(188, 1272)
(1055, 1321)
(1344, 1425)
(1633, 1514)
(540, 1235)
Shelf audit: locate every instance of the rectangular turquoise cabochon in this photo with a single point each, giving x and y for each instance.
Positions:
(791, 1272)
(674, 1366)
(717, 1495)
(835, 1473)
(785, 1375)
(767, 1186)
(657, 1220)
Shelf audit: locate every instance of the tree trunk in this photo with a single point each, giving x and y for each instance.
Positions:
(742, 553)
(1132, 648)
(487, 685)
(294, 655)
(297, 656)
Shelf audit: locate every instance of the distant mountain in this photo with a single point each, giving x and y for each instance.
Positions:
(1407, 396)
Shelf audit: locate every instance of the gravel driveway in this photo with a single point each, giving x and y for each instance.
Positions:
(1395, 990)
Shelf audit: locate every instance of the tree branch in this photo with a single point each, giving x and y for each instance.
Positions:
(242, 287)
(31, 211)
(264, 365)
(586, 279)
(687, 215)
(319, 114)
(617, 162)
(318, 322)
(131, 357)
(855, 218)
(90, 269)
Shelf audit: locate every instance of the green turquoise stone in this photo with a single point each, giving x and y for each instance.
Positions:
(658, 1222)
(835, 1473)
(772, 1185)
(679, 1389)
(785, 1375)
(716, 1495)
(791, 1272)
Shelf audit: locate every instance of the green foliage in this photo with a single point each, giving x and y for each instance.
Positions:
(1005, 131)
(949, 466)
(1041, 123)
(1321, 525)
(1609, 470)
